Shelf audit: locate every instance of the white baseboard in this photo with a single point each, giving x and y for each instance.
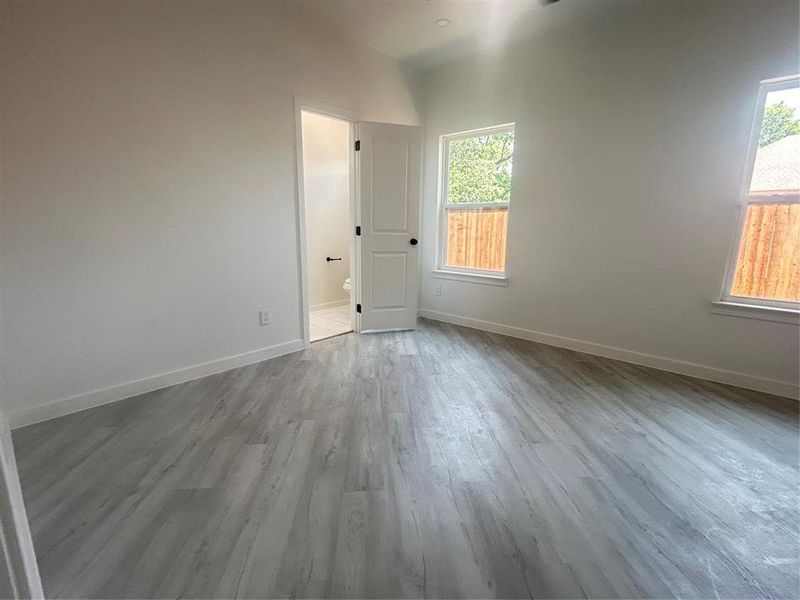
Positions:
(751, 382)
(325, 305)
(35, 414)
(59, 408)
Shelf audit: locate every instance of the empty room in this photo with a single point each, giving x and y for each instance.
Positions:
(399, 299)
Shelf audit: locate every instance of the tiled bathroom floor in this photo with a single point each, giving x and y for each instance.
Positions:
(328, 322)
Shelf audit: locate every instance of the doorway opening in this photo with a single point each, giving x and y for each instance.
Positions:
(327, 192)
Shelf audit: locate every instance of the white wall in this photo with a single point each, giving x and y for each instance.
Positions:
(147, 153)
(631, 138)
(326, 171)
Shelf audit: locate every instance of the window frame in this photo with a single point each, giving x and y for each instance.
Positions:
(464, 273)
(749, 306)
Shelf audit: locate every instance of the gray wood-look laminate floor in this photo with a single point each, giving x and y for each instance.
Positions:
(444, 462)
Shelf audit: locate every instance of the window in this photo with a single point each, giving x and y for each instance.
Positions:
(765, 263)
(476, 191)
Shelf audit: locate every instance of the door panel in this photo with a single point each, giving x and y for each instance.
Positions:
(389, 177)
(389, 280)
(388, 165)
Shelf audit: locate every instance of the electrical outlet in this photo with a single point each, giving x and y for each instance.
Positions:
(264, 317)
(437, 290)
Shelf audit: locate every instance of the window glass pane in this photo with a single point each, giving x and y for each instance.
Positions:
(768, 263)
(777, 165)
(476, 238)
(479, 168)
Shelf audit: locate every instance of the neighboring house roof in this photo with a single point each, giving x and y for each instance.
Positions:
(777, 166)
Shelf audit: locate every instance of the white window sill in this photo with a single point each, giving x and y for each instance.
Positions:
(483, 278)
(756, 311)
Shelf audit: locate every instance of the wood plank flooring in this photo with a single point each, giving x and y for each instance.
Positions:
(444, 462)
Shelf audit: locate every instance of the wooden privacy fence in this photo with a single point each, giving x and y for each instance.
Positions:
(476, 238)
(768, 265)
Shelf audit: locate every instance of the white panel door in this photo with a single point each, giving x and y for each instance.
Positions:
(388, 175)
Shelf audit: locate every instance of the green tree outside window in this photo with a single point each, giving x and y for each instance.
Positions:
(779, 122)
(480, 169)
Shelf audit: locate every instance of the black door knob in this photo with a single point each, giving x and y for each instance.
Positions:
(413, 241)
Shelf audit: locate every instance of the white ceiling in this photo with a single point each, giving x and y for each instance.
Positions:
(406, 29)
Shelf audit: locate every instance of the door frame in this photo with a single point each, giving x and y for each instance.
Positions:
(343, 114)
(19, 570)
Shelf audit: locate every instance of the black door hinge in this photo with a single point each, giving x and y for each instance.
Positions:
(358, 308)
(358, 145)
(358, 229)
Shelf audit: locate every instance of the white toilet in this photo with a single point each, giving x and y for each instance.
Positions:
(346, 285)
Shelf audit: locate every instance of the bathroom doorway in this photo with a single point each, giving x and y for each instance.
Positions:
(327, 186)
